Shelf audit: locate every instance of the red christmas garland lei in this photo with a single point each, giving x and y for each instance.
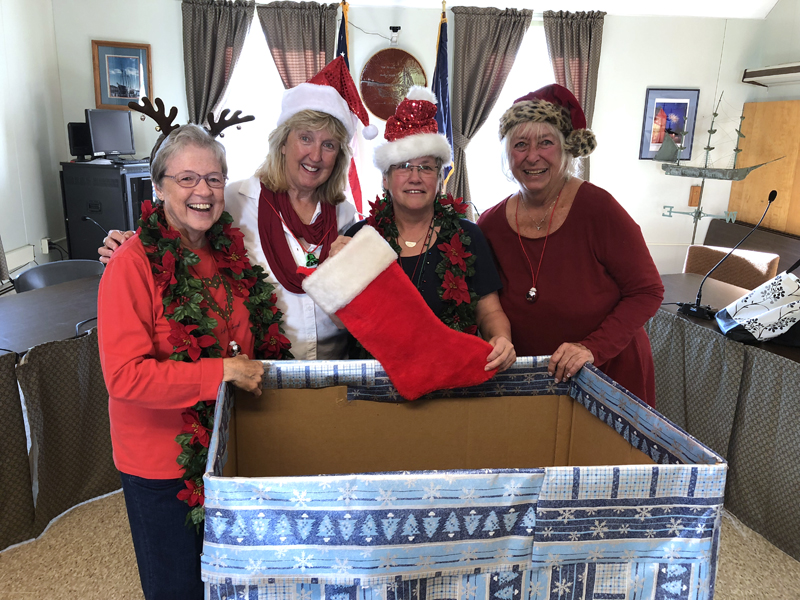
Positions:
(192, 329)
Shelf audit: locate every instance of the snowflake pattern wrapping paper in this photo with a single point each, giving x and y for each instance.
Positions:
(619, 532)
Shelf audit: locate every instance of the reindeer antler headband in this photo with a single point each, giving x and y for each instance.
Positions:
(164, 121)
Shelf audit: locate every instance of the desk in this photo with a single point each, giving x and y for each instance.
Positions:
(47, 314)
(741, 400)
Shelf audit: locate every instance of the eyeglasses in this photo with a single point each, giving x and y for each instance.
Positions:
(423, 170)
(190, 179)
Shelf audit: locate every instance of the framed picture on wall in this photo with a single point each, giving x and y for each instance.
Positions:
(670, 113)
(122, 72)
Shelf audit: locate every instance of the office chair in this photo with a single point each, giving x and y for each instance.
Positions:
(56, 272)
(745, 268)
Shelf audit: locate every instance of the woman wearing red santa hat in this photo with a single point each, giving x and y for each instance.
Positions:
(293, 209)
(445, 257)
(578, 279)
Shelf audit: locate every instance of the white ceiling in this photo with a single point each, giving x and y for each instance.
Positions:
(726, 9)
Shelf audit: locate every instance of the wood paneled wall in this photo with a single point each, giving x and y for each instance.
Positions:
(771, 130)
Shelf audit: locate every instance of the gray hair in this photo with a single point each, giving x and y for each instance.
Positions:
(535, 130)
(177, 141)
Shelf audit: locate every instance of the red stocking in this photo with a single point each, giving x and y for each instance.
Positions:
(366, 288)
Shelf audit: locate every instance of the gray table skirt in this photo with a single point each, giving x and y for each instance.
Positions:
(744, 403)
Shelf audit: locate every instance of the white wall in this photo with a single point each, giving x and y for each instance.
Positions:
(779, 44)
(154, 22)
(32, 130)
(642, 52)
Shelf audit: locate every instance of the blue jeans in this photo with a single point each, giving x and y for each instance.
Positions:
(167, 551)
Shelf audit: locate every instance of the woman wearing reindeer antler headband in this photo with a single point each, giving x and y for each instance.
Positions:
(176, 305)
(292, 210)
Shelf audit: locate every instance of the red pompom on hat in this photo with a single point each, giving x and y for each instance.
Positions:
(556, 105)
(412, 132)
(333, 92)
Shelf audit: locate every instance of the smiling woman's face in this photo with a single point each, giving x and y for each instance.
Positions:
(411, 188)
(310, 157)
(192, 211)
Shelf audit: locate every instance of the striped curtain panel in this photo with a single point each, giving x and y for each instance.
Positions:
(485, 46)
(573, 41)
(213, 37)
(301, 37)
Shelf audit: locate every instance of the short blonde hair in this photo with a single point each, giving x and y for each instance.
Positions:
(535, 130)
(272, 172)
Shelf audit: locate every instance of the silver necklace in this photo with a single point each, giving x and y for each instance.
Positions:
(540, 224)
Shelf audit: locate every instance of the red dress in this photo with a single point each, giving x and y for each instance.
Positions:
(597, 286)
(147, 391)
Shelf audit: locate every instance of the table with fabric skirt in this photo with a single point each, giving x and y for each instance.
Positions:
(742, 401)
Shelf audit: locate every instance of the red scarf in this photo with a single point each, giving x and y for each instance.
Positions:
(273, 238)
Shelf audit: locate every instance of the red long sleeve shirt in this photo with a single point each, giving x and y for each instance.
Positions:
(147, 391)
(597, 286)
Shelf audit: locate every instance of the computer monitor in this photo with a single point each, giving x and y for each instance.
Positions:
(80, 140)
(111, 131)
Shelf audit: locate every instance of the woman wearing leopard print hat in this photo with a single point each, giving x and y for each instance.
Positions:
(578, 279)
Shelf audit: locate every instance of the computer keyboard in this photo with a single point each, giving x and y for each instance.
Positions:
(128, 161)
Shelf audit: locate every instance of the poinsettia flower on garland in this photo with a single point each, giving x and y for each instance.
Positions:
(193, 494)
(233, 256)
(148, 209)
(169, 233)
(182, 339)
(165, 272)
(274, 342)
(193, 425)
(455, 252)
(450, 203)
(241, 287)
(455, 288)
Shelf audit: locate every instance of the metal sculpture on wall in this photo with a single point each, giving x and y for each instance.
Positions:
(386, 78)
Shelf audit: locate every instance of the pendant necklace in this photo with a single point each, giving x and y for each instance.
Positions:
(533, 294)
(410, 244)
(428, 241)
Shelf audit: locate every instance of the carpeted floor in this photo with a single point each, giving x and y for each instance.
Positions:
(88, 554)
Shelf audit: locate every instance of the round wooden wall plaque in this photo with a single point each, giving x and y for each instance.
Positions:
(386, 79)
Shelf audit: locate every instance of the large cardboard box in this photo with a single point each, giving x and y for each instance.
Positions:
(518, 489)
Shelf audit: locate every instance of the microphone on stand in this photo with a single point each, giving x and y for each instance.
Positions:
(695, 309)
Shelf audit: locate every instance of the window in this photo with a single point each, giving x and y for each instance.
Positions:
(255, 89)
(487, 183)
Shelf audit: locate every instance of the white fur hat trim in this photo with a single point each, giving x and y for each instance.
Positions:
(409, 147)
(343, 277)
(322, 98)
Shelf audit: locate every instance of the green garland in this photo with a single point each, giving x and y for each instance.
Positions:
(192, 329)
(460, 301)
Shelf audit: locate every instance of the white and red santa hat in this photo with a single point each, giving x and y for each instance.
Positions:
(412, 132)
(331, 91)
